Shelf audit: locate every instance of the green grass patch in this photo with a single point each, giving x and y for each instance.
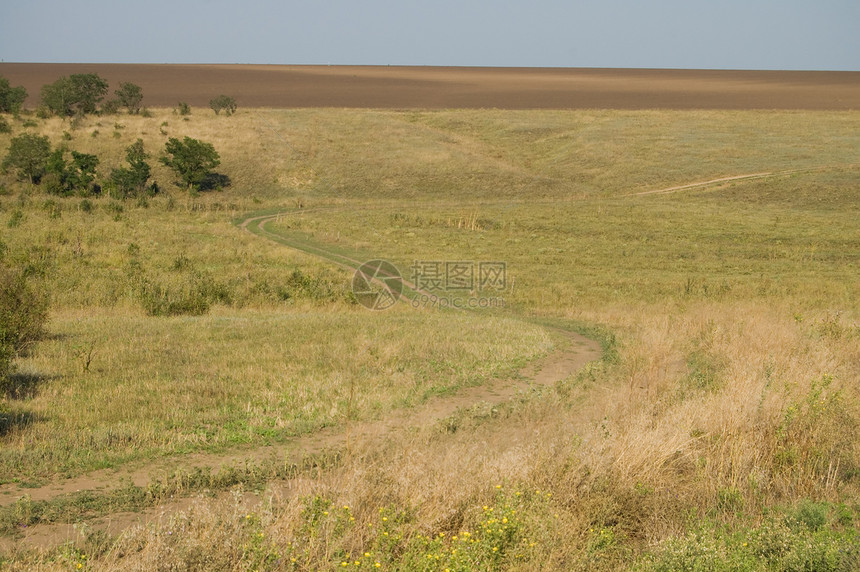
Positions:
(118, 386)
(809, 536)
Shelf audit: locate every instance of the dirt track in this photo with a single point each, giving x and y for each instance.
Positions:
(450, 87)
(573, 353)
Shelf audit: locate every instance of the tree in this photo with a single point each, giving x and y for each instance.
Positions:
(57, 97)
(89, 90)
(192, 160)
(131, 180)
(64, 178)
(55, 173)
(28, 154)
(11, 98)
(223, 102)
(130, 96)
(78, 93)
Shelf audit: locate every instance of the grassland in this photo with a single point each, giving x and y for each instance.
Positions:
(720, 432)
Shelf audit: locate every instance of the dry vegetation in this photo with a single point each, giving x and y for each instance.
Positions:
(720, 432)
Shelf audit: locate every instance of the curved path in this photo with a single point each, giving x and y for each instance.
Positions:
(733, 178)
(707, 183)
(573, 351)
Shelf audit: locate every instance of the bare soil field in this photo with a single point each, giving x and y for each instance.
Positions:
(394, 87)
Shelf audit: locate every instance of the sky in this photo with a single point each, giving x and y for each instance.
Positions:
(698, 34)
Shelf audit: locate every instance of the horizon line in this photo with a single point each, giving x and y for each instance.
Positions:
(440, 66)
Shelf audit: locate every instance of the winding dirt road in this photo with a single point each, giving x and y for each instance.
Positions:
(573, 351)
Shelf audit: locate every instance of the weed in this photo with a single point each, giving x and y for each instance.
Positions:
(15, 218)
(769, 546)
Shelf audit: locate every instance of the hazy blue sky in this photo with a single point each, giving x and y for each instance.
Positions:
(738, 34)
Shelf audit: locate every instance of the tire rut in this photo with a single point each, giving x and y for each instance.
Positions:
(573, 351)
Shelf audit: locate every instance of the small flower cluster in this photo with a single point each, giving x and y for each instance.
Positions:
(497, 536)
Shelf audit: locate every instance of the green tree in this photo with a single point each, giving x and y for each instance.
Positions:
(65, 178)
(11, 98)
(223, 103)
(28, 155)
(59, 97)
(132, 180)
(89, 90)
(192, 160)
(77, 93)
(130, 96)
(84, 171)
(54, 178)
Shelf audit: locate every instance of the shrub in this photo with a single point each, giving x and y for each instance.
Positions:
(110, 107)
(64, 178)
(184, 291)
(115, 209)
(130, 96)
(28, 155)
(191, 160)
(223, 103)
(23, 314)
(164, 300)
(132, 180)
(11, 98)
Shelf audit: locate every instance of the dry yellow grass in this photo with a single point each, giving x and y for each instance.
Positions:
(735, 388)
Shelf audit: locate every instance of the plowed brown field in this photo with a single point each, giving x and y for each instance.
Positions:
(452, 87)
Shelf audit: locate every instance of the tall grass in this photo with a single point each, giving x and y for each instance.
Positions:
(277, 154)
(728, 416)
